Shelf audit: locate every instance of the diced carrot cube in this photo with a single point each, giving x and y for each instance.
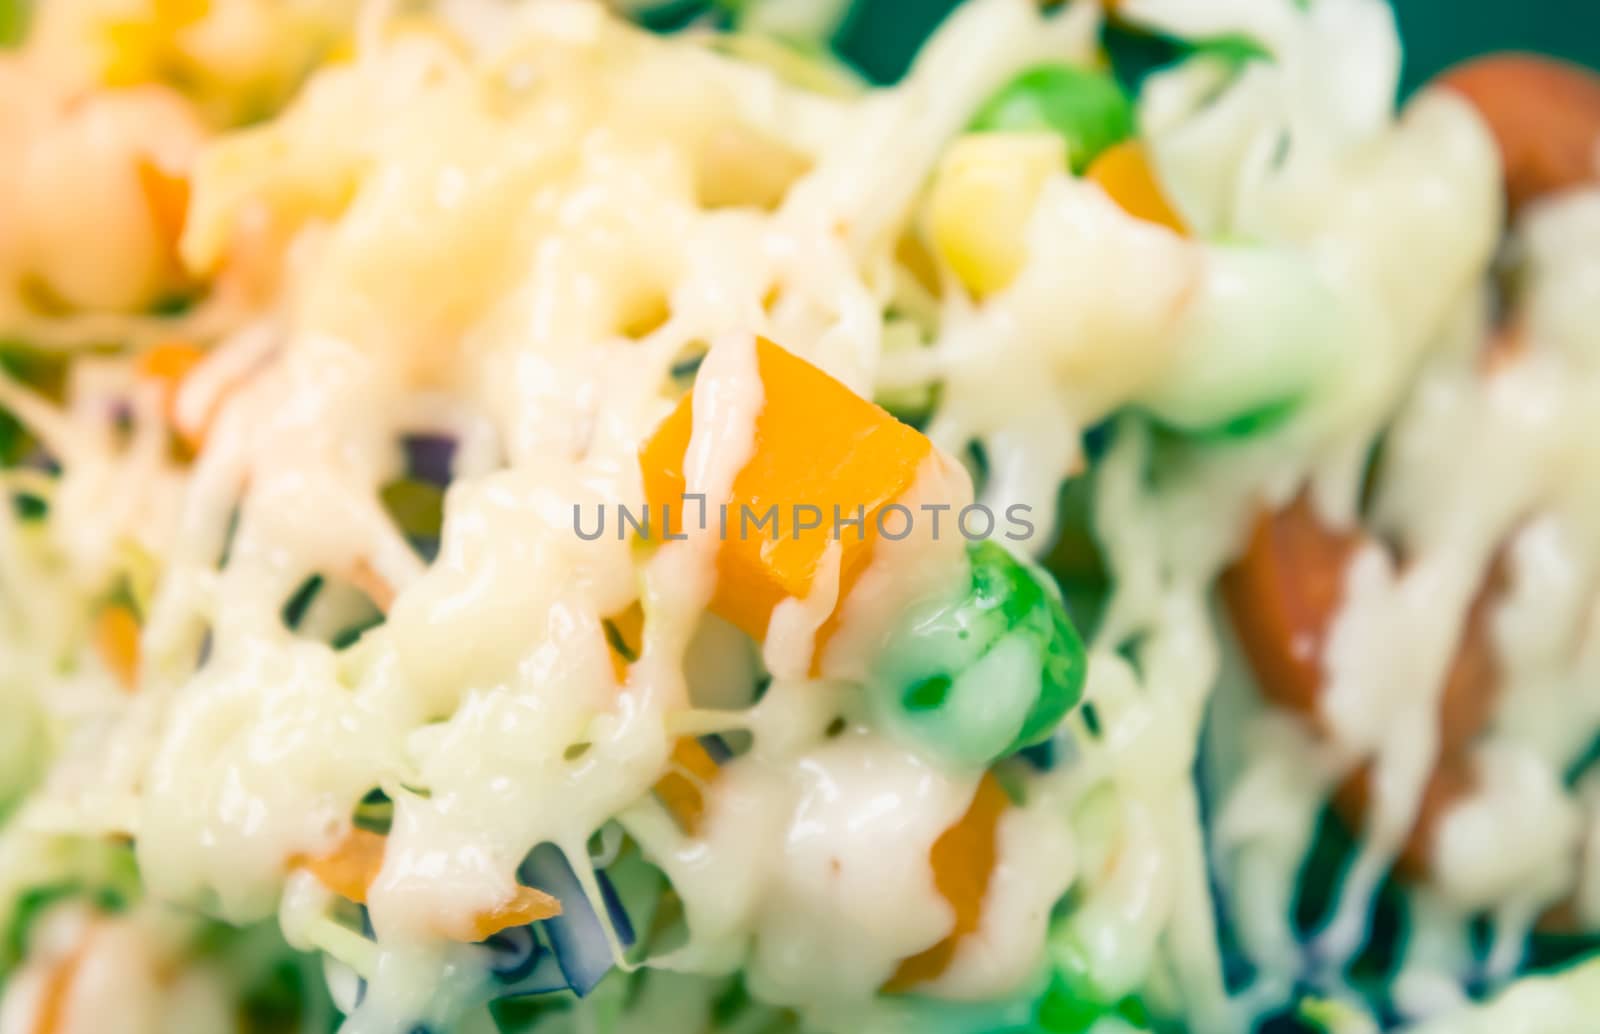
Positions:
(816, 443)
(1124, 173)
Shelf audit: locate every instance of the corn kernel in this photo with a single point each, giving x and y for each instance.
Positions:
(977, 212)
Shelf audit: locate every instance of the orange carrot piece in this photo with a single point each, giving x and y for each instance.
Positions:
(963, 859)
(817, 443)
(350, 869)
(681, 790)
(527, 905)
(52, 1014)
(169, 364)
(1124, 173)
(166, 194)
(116, 637)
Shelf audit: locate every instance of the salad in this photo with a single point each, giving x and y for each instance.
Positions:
(526, 515)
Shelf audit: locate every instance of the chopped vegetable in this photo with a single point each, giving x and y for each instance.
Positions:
(117, 640)
(521, 965)
(980, 677)
(134, 48)
(430, 458)
(375, 813)
(527, 905)
(166, 193)
(169, 364)
(982, 195)
(963, 861)
(1085, 107)
(514, 953)
(417, 508)
(99, 873)
(1250, 423)
(1124, 173)
(818, 443)
(1068, 1007)
(1259, 335)
(624, 634)
(53, 997)
(1332, 1016)
(577, 934)
(1545, 117)
(681, 790)
(46, 374)
(26, 909)
(350, 869)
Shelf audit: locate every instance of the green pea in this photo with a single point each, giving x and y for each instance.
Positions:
(1261, 334)
(1249, 424)
(1087, 108)
(1065, 1009)
(986, 674)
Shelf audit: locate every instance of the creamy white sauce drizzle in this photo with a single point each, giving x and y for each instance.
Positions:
(509, 241)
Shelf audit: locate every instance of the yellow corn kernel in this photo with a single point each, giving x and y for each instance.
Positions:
(140, 49)
(133, 51)
(984, 191)
(342, 51)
